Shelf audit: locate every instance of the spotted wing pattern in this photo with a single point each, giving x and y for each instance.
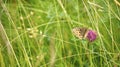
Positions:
(79, 32)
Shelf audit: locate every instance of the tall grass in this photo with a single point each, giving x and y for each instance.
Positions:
(38, 33)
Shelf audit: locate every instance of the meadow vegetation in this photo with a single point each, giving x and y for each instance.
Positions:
(38, 33)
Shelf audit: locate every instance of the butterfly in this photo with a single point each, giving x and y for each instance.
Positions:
(85, 33)
(80, 32)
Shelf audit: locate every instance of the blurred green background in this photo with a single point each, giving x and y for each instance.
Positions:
(38, 33)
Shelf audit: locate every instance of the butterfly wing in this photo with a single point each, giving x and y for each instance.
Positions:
(79, 32)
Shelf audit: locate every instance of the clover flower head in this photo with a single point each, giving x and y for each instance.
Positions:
(91, 35)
